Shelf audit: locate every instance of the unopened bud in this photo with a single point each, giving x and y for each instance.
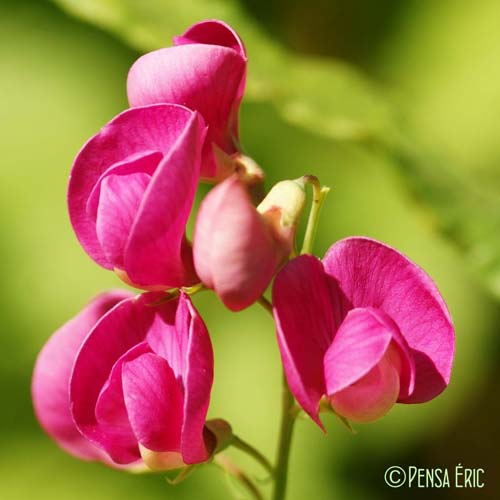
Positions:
(289, 198)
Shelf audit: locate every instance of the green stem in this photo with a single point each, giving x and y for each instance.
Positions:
(287, 423)
(253, 452)
(288, 415)
(227, 465)
(319, 195)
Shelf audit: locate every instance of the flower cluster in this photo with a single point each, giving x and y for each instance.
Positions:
(127, 381)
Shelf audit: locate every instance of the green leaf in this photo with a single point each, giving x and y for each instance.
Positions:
(324, 96)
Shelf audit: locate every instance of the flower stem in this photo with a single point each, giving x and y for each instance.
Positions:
(227, 465)
(289, 413)
(287, 423)
(253, 452)
(319, 195)
(265, 304)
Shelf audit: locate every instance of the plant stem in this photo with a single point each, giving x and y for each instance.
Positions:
(287, 423)
(265, 304)
(319, 195)
(288, 414)
(227, 465)
(253, 452)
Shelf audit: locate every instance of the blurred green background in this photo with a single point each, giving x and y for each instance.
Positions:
(395, 105)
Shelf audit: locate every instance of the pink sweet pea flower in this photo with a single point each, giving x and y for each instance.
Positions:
(364, 328)
(52, 372)
(205, 70)
(136, 381)
(237, 247)
(130, 194)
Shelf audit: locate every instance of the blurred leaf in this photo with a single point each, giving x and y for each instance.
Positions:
(322, 95)
(451, 80)
(462, 209)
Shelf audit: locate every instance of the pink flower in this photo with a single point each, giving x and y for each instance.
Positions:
(130, 194)
(205, 70)
(237, 248)
(52, 373)
(127, 382)
(365, 328)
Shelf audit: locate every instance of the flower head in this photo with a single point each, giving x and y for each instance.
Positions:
(52, 373)
(237, 247)
(205, 70)
(131, 190)
(365, 327)
(139, 380)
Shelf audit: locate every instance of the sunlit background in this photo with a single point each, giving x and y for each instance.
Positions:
(395, 105)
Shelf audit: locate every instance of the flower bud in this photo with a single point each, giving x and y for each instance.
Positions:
(237, 249)
(129, 384)
(282, 208)
(130, 193)
(205, 71)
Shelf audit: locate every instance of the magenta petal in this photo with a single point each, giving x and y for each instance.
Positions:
(169, 340)
(135, 132)
(359, 344)
(122, 328)
(139, 163)
(157, 252)
(205, 78)
(119, 202)
(115, 432)
(110, 406)
(198, 378)
(180, 336)
(206, 71)
(50, 386)
(215, 32)
(372, 274)
(212, 32)
(305, 326)
(234, 251)
(154, 402)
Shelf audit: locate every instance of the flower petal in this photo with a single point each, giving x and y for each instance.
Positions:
(212, 32)
(180, 336)
(119, 202)
(138, 163)
(372, 274)
(206, 71)
(168, 338)
(110, 406)
(198, 378)
(157, 252)
(134, 132)
(359, 344)
(154, 402)
(51, 375)
(234, 251)
(121, 329)
(371, 396)
(305, 325)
